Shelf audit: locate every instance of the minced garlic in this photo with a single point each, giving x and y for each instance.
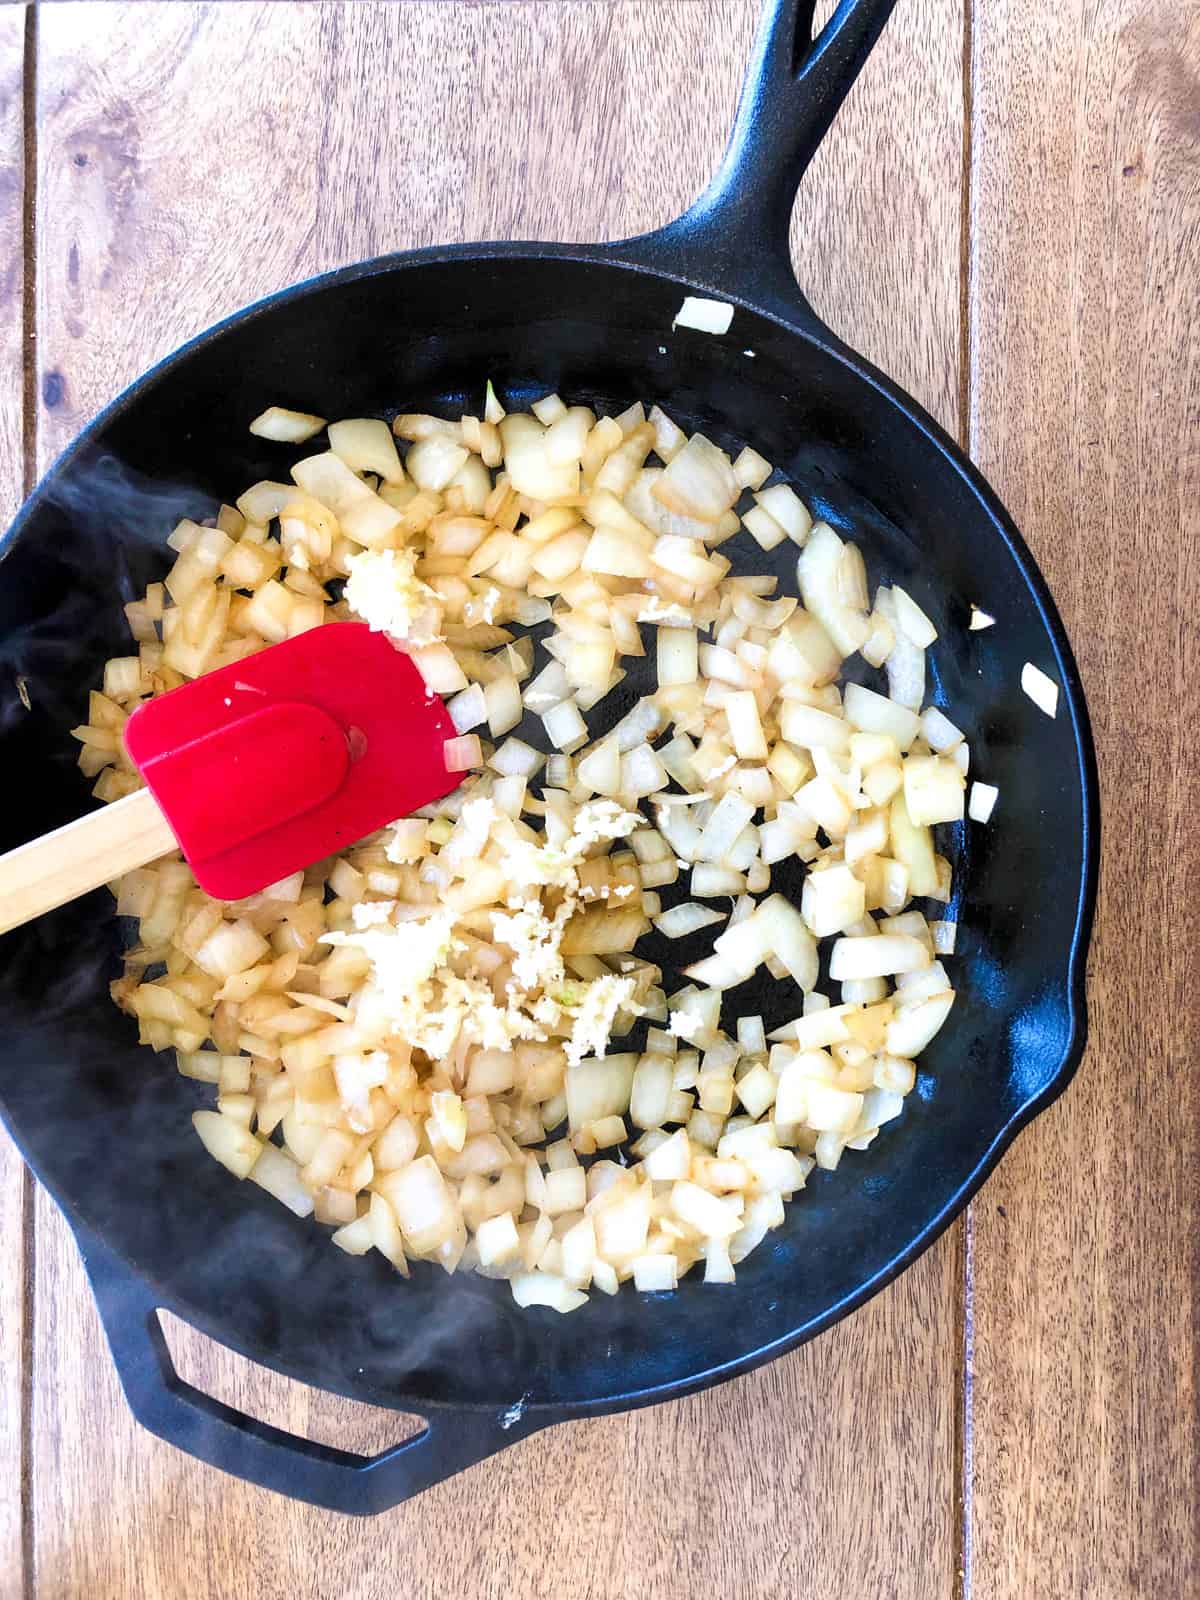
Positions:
(421, 991)
(384, 590)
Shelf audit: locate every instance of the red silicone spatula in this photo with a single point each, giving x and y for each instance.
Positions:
(255, 771)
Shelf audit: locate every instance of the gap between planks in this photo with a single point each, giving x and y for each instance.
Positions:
(29, 253)
(28, 1282)
(965, 1386)
(964, 1438)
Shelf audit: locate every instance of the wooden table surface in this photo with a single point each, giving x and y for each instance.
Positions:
(1006, 217)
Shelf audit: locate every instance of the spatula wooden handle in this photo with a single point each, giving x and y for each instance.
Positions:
(62, 865)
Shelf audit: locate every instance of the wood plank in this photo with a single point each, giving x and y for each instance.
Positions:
(225, 202)
(876, 237)
(1086, 415)
(14, 1191)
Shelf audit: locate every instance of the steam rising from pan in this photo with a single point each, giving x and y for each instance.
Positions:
(108, 501)
(110, 529)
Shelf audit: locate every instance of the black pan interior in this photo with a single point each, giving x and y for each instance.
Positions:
(106, 1124)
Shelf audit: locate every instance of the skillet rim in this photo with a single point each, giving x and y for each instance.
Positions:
(797, 319)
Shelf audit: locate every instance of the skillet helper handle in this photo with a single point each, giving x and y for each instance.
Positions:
(222, 1437)
(74, 859)
(735, 235)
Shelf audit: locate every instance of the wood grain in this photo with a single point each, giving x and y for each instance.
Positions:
(1085, 381)
(14, 1187)
(192, 157)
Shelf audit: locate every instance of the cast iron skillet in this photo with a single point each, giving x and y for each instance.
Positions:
(105, 1125)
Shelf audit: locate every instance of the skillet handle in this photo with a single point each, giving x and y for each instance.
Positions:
(223, 1437)
(735, 236)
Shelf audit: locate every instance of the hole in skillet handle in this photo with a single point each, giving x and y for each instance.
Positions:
(318, 1415)
(258, 1452)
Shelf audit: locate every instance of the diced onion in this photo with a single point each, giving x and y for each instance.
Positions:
(912, 620)
(881, 956)
(750, 469)
(428, 1019)
(789, 511)
(1043, 691)
(699, 482)
(677, 656)
(684, 918)
(433, 462)
(763, 528)
(706, 316)
(468, 709)
(277, 1173)
(287, 427)
(516, 759)
(463, 753)
(945, 935)
(234, 1146)
(939, 732)
(565, 728)
(545, 1289)
(367, 445)
(982, 801)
